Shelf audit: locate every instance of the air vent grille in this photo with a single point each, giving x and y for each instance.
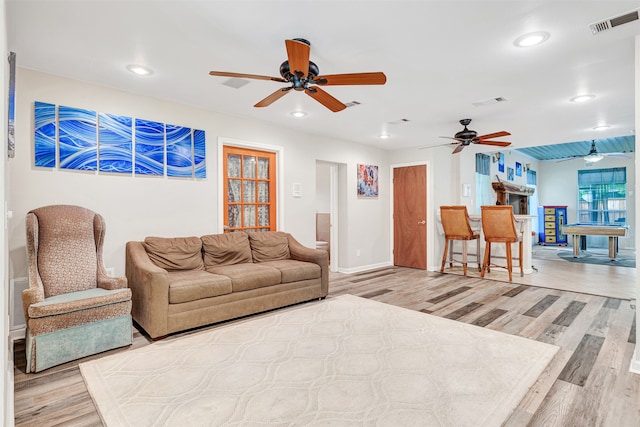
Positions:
(399, 122)
(489, 101)
(235, 83)
(608, 24)
(352, 103)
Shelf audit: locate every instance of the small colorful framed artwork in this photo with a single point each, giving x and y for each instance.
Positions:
(367, 181)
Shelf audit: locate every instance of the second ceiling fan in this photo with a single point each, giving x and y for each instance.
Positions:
(303, 75)
(467, 137)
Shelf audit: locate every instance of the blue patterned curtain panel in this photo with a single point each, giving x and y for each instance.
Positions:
(179, 151)
(45, 135)
(149, 147)
(199, 153)
(77, 138)
(115, 135)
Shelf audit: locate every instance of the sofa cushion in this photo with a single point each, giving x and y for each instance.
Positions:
(248, 275)
(294, 271)
(175, 253)
(226, 249)
(185, 286)
(269, 246)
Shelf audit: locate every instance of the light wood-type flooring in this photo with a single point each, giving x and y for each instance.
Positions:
(587, 384)
(552, 272)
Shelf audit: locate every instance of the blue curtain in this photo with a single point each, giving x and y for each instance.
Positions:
(532, 179)
(483, 164)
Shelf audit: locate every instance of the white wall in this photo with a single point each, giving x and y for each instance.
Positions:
(558, 183)
(135, 207)
(323, 187)
(6, 384)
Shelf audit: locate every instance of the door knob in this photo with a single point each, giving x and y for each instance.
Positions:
(423, 222)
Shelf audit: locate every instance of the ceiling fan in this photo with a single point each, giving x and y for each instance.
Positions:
(303, 75)
(466, 137)
(593, 155)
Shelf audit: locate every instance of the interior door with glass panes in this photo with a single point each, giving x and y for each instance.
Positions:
(250, 189)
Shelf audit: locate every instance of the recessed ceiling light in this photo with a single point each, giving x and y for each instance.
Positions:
(601, 127)
(298, 114)
(531, 39)
(582, 98)
(140, 70)
(384, 136)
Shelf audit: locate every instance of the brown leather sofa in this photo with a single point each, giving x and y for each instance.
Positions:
(185, 282)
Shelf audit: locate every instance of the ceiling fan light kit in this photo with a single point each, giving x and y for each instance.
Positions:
(303, 75)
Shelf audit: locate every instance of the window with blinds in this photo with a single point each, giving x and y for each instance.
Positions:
(602, 196)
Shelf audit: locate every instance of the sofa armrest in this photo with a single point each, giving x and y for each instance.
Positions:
(300, 252)
(149, 290)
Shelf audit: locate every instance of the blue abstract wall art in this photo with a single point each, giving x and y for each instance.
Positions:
(116, 150)
(45, 135)
(179, 151)
(199, 153)
(149, 147)
(77, 138)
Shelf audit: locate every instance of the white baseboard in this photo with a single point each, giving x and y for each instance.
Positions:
(18, 334)
(365, 268)
(635, 361)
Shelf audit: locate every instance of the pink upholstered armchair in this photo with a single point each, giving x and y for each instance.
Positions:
(72, 307)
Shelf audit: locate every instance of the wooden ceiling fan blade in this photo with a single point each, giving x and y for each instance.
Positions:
(273, 97)
(325, 99)
(494, 135)
(458, 149)
(246, 76)
(499, 143)
(298, 55)
(377, 78)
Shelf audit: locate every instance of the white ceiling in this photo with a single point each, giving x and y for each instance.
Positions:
(439, 58)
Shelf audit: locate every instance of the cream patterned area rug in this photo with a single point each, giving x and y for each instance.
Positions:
(344, 361)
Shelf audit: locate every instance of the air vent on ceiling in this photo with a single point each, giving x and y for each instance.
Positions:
(352, 104)
(235, 83)
(399, 122)
(608, 24)
(489, 101)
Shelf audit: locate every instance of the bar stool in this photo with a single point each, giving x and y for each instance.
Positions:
(456, 226)
(499, 226)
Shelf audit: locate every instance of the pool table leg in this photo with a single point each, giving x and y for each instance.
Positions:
(613, 244)
(576, 245)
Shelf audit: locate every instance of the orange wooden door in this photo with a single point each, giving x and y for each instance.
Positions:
(250, 190)
(410, 216)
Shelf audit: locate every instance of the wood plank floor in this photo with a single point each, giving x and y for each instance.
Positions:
(550, 271)
(587, 384)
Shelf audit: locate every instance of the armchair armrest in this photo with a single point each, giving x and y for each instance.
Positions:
(111, 283)
(30, 296)
(149, 290)
(302, 253)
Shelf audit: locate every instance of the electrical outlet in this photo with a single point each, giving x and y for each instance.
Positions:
(111, 271)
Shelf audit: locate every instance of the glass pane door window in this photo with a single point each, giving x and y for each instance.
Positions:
(249, 188)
